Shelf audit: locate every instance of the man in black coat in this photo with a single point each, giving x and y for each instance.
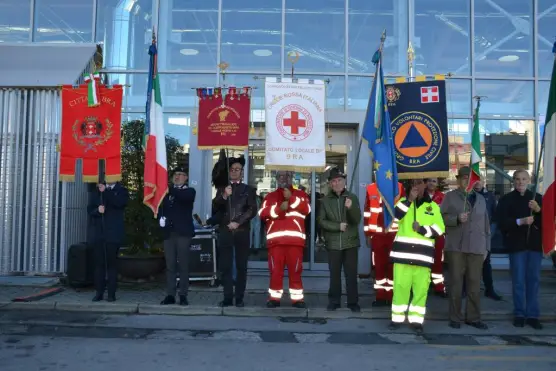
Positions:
(176, 220)
(233, 209)
(106, 208)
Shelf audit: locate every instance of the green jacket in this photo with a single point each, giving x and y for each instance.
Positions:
(333, 212)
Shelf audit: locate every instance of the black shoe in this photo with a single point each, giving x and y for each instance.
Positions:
(332, 307)
(169, 299)
(381, 303)
(454, 324)
(226, 303)
(394, 326)
(240, 303)
(111, 298)
(519, 322)
(477, 324)
(493, 295)
(272, 304)
(355, 308)
(417, 327)
(183, 300)
(299, 304)
(98, 297)
(534, 323)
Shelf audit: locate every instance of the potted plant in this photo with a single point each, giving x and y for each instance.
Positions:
(142, 256)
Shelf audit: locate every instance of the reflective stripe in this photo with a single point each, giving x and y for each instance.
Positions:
(262, 208)
(275, 294)
(270, 236)
(295, 213)
(298, 226)
(418, 310)
(402, 207)
(377, 210)
(273, 212)
(437, 275)
(376, 228)
(365, 228)
(437, 229)
(442, 255)
(380, 282)
(415, 241)
(373, 258)
(399, 308)
(308, 208)
(296, 294)
(391, 282)
(437, 281)
(380, 287)
(411, 256)
(398, 318)
(428, 230)
(295, 203)
(366, 214)
(416, 319)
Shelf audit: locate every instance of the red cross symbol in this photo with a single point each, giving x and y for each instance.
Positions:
(294, 123)
(430, 94)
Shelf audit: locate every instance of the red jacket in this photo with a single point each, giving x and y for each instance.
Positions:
(372, 214)
(285, 227)
(437, 197)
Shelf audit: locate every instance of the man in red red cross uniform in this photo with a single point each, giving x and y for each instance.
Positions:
(437, 271)
(381, 241)
(284, 211)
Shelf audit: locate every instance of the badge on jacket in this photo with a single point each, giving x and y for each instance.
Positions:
(429, 210)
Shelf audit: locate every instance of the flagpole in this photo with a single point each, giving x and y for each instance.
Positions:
(356, 165)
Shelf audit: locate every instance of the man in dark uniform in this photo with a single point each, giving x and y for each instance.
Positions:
(233, 209)
(176, 220)
(106, 208)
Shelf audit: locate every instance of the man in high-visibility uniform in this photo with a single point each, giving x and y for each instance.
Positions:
(381, 241)
(283, 212)
(437, 271)
(420, 222)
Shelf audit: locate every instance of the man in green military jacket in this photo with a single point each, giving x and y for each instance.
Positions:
(339, 216)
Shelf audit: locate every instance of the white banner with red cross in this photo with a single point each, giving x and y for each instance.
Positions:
(295, 126)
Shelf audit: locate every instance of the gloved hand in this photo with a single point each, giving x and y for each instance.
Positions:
(162, 221)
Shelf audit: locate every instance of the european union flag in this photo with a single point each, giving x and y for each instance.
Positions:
(377, 132)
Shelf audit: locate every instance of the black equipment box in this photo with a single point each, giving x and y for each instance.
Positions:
(202, 256)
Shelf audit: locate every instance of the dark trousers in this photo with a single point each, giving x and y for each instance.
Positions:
(106, 267)
(228, 242)
(348, 260)
(487, 277)
(525, 268)
(466, 268)
(176, 254)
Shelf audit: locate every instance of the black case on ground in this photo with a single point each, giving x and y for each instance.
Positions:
(80, 265)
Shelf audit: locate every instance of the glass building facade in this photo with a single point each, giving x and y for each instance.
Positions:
(499, 49)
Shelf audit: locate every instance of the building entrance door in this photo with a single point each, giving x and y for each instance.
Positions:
(340, 152)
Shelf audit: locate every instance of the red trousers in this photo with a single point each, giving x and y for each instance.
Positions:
(384, 284)
(437, 271)
(280, 256)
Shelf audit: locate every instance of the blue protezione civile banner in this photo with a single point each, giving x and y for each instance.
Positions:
(419, 128)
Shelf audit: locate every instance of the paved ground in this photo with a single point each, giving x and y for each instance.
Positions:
(50, 340)
(144, 298)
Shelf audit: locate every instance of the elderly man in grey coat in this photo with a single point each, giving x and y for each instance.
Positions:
(467, 245)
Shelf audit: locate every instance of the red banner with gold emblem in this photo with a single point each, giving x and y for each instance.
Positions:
(223, 119)
(91, 133)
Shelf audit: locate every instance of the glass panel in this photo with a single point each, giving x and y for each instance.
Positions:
(190, 34)
(336, 157)
(124, 28)
(334, 89)
(177, 125)
(265, 182)
(252, 34)
(316, 30)
(546, 22)
(135, 95)
(66, 21)
(503, 38)
(367, 20)
(458, 93)
(544, 87)
(257, 96)
(442, 42)
(178, 89)
(506, 98)
(15, 20)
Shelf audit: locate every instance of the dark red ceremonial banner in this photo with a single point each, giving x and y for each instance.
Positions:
(223, 121)
(91, 133)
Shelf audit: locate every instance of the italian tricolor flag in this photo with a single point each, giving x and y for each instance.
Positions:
(548, 207)
(155, 184)
(476, 157)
